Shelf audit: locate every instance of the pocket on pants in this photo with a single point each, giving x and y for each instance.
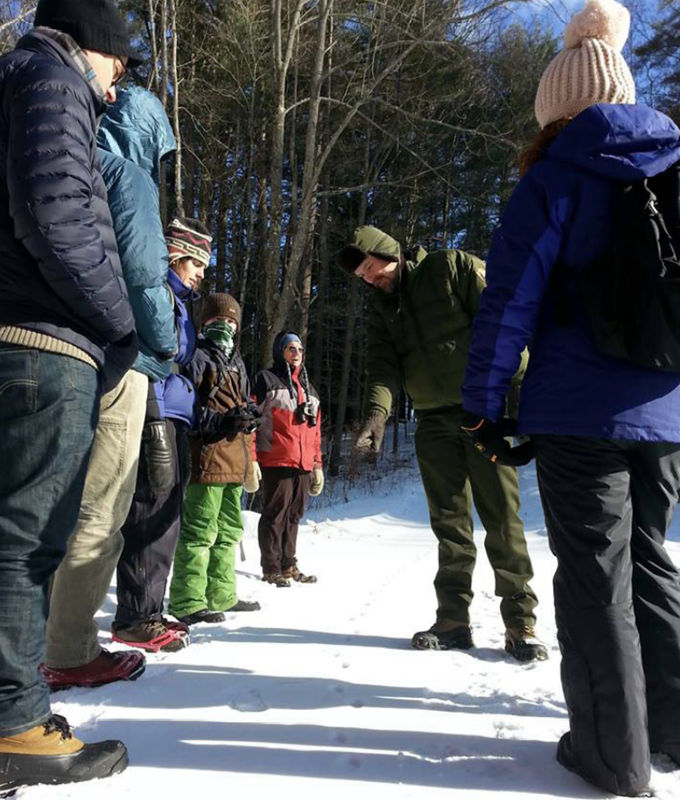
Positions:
(106, 471)
(18, 380)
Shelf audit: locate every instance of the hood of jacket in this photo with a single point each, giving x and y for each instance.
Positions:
(277, 349)
(137, 128)
(625, 143)
(376, 242)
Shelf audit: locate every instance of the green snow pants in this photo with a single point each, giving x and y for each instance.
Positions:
(204, 572)
(454, 474)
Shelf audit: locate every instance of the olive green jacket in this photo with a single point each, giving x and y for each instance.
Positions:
(419, 336)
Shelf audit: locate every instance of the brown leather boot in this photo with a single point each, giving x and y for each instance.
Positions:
(277, 579)
(523, 644)
(299, 577)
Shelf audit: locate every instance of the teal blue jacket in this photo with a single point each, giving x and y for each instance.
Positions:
(134, 136)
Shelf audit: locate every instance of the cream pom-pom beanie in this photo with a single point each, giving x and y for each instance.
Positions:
(591, 69)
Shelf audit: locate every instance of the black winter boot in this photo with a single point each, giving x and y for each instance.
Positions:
(458, 638)
(204, 615)
(50, 754)
(244, 605)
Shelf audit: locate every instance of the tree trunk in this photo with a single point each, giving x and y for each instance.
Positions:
(179, 194)
(281, 61)
(395, 424)
(163, 95)
(310, 178)
(348, 346)
(321, 297)
(154, 79)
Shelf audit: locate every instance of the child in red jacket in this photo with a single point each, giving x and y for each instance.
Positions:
(289, 453)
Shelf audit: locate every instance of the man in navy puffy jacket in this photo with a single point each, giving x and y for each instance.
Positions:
(136, 134)
(66, 335)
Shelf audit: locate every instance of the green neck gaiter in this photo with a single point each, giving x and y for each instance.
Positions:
(222, 333)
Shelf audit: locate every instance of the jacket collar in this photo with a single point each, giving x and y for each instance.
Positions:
(62, 47)
(179, 289)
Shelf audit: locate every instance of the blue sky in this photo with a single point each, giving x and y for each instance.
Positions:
(558, 12)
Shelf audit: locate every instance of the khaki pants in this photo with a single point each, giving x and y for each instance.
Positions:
(84, 576)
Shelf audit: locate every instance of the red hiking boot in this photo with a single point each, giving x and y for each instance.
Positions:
(106, 668)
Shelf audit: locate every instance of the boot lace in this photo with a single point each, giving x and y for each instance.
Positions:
(155, 628)
(525, 634)
(57, 723)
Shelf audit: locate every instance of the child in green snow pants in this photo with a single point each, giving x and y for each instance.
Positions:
(204, 579)
(205, 561)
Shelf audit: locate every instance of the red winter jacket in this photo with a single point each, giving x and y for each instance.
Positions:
(282, 440)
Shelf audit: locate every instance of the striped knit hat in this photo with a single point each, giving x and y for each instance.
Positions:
(184, 241)
(591, 69)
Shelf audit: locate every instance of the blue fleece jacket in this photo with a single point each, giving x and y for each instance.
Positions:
(176, 395)
(562, 210)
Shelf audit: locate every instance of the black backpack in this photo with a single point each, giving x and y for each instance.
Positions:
(631, 292)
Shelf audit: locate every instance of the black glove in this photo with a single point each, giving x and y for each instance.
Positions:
(489, 439)
(371, 435)
(159, 457)
(238, 420)
(256, 414)
(118, 358)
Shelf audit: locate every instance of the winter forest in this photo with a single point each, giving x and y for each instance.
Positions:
(298, 120)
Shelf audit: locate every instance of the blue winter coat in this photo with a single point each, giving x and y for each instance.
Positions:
(176, 394)
(563, 210)
(59, 267)
(134, 136)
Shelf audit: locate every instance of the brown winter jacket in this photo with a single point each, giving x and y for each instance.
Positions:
(221, 384)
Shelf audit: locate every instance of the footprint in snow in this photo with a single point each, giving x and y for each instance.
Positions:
(350, 760)
(253, 702)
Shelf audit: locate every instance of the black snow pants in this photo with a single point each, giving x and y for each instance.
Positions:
(608, 505)
(150, 533)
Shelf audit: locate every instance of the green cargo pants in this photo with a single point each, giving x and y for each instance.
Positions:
(204, 572)
(454, 474)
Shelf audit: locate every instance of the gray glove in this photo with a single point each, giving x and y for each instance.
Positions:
(371, 435)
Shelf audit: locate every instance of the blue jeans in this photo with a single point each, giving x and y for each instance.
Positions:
(49, 406)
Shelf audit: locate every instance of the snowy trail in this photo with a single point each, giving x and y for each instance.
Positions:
(319, 693)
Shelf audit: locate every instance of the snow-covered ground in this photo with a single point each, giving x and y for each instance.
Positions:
(319, 694)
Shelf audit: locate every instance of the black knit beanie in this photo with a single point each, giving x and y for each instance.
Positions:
(94, 25)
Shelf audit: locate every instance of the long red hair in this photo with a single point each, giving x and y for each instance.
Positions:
(538, 147)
